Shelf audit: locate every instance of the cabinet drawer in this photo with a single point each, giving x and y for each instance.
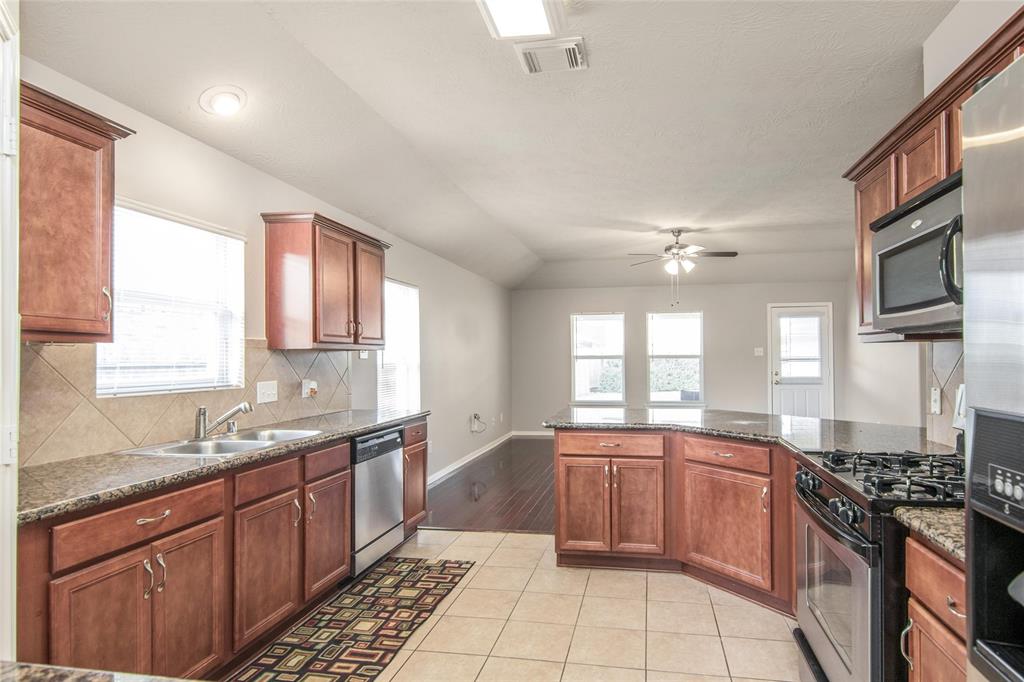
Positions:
(415, 433)
(327, 461)
(101, 534)
(612, 444)
(937, 584)
(267, 480)
(728, 454)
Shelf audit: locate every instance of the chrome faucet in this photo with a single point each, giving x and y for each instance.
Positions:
(203, 429)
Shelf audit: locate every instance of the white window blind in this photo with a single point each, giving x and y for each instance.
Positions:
(179, 320)
(398, 365)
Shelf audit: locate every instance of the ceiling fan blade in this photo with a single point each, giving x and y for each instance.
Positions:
(645, 254)
(692, 249)
(718, 254)
(633, 265)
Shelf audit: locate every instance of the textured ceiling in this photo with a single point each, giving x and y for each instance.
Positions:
(738, 117)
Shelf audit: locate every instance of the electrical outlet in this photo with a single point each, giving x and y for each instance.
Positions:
(936, 400)
(758, 352)
(266, 392)
(309, 388)
(364, 355)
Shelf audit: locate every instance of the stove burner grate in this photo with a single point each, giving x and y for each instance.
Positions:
(910, 487)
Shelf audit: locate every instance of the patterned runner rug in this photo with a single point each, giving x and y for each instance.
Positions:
(355, 635)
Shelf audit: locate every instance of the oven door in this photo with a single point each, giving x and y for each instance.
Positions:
(838, 594)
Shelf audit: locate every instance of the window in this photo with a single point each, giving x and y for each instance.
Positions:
(179, 297)
(598, 342)
(675, 372)
(800, 346)
(398, 365)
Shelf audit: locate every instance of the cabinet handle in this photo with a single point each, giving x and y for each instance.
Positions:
(110, 303)
(951, 605)
(726, 455)
(163, 568)
(903, 642)
(298, 511)
(605, 475)
(312, 500)
(764, 494)
(153, 519)
(149, 569)
(359, 329)
(611, 445)
(350, 327)
(615, 476)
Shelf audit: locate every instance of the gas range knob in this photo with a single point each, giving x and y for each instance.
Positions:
(835, 505)
(808, 481)
(850, 515)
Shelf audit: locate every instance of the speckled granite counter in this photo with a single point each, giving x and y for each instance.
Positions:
(28, 672)
(56, 488)
(944, 528)
(805, 434)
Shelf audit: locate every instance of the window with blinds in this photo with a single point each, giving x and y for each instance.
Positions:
(398, 365)
(179, 297)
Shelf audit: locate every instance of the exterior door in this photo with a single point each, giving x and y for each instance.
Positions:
(638, 506)
(335, 287)
(415, 485)
(101, 618)
(737, 542)
(370, 288)
(190, 605)
(584, 504)
(268, 556)
(936, 654)
(801, 360)
(328, 532)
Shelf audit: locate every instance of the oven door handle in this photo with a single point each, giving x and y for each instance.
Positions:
(953, 290)
(865, 550)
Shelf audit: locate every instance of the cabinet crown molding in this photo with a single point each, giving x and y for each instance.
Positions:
(320, 219)
(38, 98)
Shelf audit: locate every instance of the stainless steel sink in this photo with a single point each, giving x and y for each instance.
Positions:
(273, 435)
(205, 448)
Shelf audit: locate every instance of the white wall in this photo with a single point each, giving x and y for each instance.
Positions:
(968, 25)
(464, 317)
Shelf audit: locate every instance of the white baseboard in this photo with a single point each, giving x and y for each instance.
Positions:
(547, 433)
(468, 458)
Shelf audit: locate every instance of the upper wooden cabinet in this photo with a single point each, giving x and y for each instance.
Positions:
(922, 159)
(875, 195)
(66, 217)
(325, 284)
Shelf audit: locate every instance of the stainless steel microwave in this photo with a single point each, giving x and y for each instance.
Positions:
(917, 263)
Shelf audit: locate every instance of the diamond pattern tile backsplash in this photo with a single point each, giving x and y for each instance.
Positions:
(62, 418)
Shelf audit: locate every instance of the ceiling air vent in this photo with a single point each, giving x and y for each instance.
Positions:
(559, 54)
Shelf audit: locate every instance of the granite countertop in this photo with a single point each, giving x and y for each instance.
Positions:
(803, 434)
(943, 527)
(31, 672)
(57, 488)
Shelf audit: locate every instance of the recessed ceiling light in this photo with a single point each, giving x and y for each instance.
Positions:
(520, 18)
(223, 100)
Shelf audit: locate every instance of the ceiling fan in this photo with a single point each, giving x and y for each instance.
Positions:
(678, 255)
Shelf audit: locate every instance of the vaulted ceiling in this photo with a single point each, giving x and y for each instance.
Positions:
(734, 117)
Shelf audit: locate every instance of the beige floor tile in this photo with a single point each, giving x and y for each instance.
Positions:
(474, 603)
(500, 578)
(611, 647)
(618, 584)
(682, 618)
(465, 553)
(479, 539)
(763, 659)
(753, 622)
(513, 669)
(437, 537)
(446, 603)
(458, 635)
(535, 641)
(541, 607)
(695, 654)
(723, 598)
(606, 612)
(401, 656)
(659, 676)
(529, 541)
(411, 550)
(676, 587)
(559, 580)
(515, 557)
(548, 560)
(428, 666)
(420, 633)
(577, 672)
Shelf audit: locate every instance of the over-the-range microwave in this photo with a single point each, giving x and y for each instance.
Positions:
(917, 263)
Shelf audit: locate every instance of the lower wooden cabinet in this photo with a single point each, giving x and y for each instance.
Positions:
(728, 524)
(638, 506)
(415, 492)
(328, 543)
(268, 565)
(934, 653)
(584, 504)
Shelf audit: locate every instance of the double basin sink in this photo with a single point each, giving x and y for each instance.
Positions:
(227, 445)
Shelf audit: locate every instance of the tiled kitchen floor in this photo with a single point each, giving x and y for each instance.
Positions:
(518, 617)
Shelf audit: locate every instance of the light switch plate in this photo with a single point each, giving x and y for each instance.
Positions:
(758, 352)
(266, 392)
(936, 400)
(364, 355)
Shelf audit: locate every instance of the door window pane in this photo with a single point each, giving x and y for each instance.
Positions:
(800, 346)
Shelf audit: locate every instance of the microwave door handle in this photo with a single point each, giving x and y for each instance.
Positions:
(953, 290)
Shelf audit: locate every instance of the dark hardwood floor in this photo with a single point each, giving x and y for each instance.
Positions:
(512, 488)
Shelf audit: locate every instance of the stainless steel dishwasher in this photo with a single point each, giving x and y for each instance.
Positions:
(378, 499)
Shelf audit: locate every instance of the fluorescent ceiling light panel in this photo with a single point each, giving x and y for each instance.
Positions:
(517, 18)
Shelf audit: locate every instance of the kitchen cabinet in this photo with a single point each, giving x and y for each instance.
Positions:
(584, 505)
(923, 158)
(415, 485)
(728, 524)
(66, 219)
(268, 565)
(328, 527)
(933, 641)
(638, 506)
(934, 654)
(875, 195)
(324, 284)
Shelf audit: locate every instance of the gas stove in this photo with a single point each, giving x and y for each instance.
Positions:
(880, 479)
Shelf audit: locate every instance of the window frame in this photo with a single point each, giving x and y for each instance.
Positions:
(573, 401)
(648, 357)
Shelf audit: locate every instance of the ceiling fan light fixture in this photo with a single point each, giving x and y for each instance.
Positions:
(672, 266)
(688, 264)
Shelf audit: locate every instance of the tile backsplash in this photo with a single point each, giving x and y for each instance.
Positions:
(62, 418)
(945, 370)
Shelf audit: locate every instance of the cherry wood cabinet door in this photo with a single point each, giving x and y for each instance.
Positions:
(190, 604)
(923, 159)
(328, 543)
(638, 506)
(370, 292)
(874, 196)
(937, 654)
(728, 521)
(583, 504)
(415, 485)
(335, 287)
(100, 617)
(268, 564)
